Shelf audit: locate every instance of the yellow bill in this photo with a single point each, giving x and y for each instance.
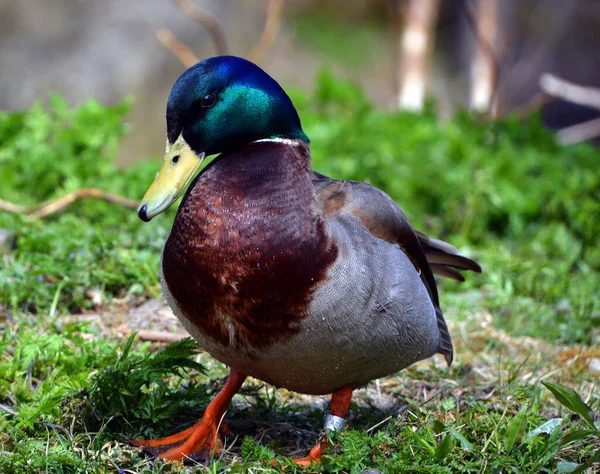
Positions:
(179, 167)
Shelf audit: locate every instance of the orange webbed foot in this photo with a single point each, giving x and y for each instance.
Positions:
(314, 457)
(340, 402)
(201, 440)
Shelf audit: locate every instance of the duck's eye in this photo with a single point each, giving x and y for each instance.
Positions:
(209, 100)
(175, 159)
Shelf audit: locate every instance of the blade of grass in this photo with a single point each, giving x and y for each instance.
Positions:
(572, 400)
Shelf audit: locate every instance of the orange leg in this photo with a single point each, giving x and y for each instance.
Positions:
(340, 402)
(204, 435)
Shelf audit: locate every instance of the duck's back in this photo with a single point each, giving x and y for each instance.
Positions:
(298, 280)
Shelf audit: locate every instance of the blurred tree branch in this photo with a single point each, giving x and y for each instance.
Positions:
(188, 58)
(569, 91)
(55, 205)
(415, 45)
(580, 132)
(484, 67)
(208, 20)
(270, 31)
(580, 95)
(180, 50)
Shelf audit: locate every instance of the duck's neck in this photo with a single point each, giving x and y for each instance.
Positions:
(262, 192)
(263, 177)
(246, 248)
(270, 170)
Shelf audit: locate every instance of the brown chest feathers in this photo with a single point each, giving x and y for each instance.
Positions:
(246, 250)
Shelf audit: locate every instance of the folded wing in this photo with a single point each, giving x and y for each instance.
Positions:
(384, 220)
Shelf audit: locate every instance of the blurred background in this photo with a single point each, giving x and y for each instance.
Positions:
(487, 55)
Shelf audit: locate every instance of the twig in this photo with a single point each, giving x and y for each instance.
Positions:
(152, 336)
(55, 205)
(180, 50)
(159, 336)
(437, 392)
(580, 132)
(580, 95)
(207, 20)
(269, 33)
(188, 58)
(380, 423)
(7, 409)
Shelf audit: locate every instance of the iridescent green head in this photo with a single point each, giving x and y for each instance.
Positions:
(218, 105)
(224, 102)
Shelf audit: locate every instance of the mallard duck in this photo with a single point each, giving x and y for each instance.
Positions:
(281, 273)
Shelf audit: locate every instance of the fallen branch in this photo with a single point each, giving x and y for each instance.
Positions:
(208, 20)
(180, 50)
(7, 409)
(55, 205)
(152, 336)
(562, 89)
(159, 336)
(270, 31)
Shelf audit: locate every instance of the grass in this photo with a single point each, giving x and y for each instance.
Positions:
(73, 389)
(79, 393)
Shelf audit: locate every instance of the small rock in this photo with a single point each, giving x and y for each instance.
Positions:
(370, 471)
(384, 402)
(95, 296)
(8, 241)
(594, 364)
(563, 306)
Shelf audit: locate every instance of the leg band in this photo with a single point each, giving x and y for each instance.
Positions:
(334, 423)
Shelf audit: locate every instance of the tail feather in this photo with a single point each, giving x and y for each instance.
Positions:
(445, 345)
(447, 272)
(456, 261)
(444, 258)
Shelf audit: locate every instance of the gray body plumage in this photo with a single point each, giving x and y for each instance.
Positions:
(370, 317)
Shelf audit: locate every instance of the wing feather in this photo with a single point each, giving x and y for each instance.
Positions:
(384, 219)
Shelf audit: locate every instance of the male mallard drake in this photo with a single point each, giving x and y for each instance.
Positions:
(281, 273)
